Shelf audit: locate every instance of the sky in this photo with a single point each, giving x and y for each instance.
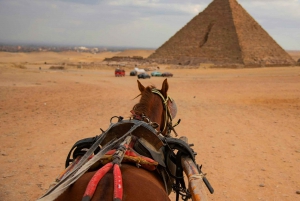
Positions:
(129, 23)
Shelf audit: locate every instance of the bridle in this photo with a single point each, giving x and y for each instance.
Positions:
(168, 127)
(167, 115)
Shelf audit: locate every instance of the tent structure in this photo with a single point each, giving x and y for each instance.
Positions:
(223, 34)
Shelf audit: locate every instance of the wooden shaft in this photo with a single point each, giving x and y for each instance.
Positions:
(195, 180)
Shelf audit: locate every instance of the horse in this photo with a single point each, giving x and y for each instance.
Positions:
(157, 109)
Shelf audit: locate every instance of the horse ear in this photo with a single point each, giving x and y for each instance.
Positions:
(141, 87)
(164, 88)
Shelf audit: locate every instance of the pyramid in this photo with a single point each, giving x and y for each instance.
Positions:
(224, 33)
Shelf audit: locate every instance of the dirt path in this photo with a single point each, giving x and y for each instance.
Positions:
(244, 124)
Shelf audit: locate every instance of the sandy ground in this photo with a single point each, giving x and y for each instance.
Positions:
(244, 124)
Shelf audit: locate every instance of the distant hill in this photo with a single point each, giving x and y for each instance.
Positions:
(295, 54)
(130, 53)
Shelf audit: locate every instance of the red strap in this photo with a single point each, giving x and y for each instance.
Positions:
(90, 189)
(118, 185)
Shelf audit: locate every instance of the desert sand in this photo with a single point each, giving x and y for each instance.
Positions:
(244, 122)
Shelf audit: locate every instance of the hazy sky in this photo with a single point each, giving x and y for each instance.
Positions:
(132, 23)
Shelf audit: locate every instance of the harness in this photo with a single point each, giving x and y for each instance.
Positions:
(115, 164)
(142, 141)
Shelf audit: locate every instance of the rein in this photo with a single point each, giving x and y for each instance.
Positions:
(84, 164)
(115, 165)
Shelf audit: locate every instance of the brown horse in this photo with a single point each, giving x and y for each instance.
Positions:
(157, 109)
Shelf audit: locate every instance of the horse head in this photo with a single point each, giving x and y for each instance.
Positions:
(155, 107)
